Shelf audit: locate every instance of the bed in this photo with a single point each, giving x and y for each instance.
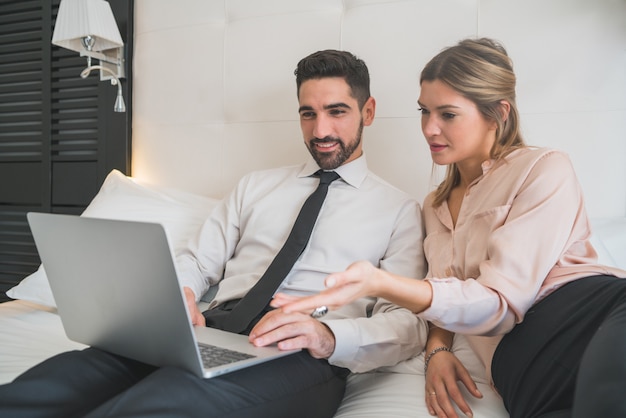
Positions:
(214, 97)
(32, 330)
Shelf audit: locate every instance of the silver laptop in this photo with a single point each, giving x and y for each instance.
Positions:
(116, 289)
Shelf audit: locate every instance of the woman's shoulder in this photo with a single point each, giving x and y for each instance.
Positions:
(528, 158)
(532, 153)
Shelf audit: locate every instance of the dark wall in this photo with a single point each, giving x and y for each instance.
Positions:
(59, 136)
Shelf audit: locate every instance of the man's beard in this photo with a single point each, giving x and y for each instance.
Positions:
(330, 161)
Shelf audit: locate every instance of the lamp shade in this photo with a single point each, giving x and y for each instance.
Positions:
(78, 19)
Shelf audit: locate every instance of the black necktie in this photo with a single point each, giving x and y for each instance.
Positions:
(259, 296)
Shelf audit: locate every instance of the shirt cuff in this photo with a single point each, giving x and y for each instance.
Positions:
(437, 308)
(346, 333)
(192, 279)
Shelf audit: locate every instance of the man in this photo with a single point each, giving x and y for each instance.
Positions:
(362, 217)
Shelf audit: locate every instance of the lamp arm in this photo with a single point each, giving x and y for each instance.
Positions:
(100, 56)
(114, 81)
(113, 57)
(119, 103)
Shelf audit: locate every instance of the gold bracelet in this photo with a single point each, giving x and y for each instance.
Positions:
(432, 353)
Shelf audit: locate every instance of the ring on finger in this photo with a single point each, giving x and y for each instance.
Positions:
(433, 393)
(319, 312)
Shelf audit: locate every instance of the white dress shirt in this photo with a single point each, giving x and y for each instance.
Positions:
(362, 218)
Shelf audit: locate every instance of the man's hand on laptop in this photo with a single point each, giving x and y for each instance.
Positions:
(196, 316)
(293, 331)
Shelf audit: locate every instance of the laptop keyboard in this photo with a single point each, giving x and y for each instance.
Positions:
(213, 356)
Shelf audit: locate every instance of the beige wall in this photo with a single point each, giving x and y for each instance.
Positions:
(215, 93)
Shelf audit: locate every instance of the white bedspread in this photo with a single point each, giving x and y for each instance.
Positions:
(31, 330)
(31, 333)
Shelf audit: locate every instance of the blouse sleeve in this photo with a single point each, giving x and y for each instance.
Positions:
(541, 206)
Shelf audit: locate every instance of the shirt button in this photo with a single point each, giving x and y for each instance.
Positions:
(448, 272)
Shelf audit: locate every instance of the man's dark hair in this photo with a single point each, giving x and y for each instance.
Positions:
(333, 63)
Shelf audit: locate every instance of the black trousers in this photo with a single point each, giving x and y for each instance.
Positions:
(93, 383)
(568, 357)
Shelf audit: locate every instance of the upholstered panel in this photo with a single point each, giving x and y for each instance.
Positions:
(215, 91)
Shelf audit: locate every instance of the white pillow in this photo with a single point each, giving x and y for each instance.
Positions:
(609, 240)
(181, 214)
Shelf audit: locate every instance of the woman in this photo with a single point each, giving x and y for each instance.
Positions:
(510, 262)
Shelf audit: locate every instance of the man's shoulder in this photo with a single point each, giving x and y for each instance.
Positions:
(384, 187)
(274, 174)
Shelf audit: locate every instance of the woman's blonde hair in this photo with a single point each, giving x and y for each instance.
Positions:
(481, 71)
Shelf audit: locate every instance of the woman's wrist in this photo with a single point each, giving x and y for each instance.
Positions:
(383, 285)
(431, 353)
(415, 295)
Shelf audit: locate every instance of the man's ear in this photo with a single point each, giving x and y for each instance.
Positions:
(368, 111)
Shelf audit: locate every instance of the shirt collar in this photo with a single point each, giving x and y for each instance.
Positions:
(490, 164)
(487, 165)
(353, 173)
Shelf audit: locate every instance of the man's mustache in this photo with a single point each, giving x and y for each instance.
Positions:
(325, 140)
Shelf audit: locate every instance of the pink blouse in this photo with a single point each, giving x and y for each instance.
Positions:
(521, 233)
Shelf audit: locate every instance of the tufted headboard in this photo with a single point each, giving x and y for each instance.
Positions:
(214, 90)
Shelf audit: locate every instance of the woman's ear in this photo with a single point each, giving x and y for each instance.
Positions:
(505, 108)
